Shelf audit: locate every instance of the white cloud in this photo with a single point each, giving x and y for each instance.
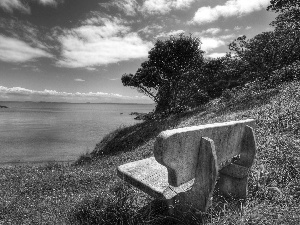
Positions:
(19, 93)
(237, 28)
(164, 6)
(16, 51)
(127, 6)
(231, 8)
(248, 28)
(48, 2)
(10, 5)
(150, 29)
(213, 31)
(229, 36)
(171, 33)
(94, 45)
(79, 80)
(209, 44)
(216, 55)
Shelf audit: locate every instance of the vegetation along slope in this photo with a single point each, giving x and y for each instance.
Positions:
(261, 80)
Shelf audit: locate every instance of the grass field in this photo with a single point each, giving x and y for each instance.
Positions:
(89, 192)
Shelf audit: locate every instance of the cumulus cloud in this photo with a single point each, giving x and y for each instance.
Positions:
(93, 45)
(164, 6)
(216, 55)
(209, 43)
(17, 51)
(21, 94)
(213, 31)
(231, 8)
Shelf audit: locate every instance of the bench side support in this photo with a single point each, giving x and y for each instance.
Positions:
(233, 180)
(199, 197)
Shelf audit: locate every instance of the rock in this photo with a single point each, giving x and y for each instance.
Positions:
(3, 106)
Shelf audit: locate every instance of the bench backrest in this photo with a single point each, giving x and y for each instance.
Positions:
(178, 149)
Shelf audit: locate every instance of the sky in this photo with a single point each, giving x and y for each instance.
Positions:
(77, 50)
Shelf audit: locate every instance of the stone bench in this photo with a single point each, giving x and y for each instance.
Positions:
(188, 162)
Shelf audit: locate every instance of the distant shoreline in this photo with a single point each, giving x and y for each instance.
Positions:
(35, 163)
(114, 103)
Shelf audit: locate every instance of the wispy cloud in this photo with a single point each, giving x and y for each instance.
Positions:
(231, 8)
(113, 79)
(164, 6)
(93, 44)
(23, 6)
(17, 51)
(170, 33)
(21, 94)
(213, 31)
(79, 80)
(129, 7)
(10, 5)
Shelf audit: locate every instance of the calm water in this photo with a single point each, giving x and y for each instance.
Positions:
(35, 132)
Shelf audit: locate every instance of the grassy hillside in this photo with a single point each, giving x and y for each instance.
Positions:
(89, 192)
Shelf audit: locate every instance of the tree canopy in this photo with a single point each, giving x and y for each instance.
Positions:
(171, 75)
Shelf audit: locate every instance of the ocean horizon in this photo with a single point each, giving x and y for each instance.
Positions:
(37, 132)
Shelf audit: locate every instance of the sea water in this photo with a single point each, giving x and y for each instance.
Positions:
(39, 131)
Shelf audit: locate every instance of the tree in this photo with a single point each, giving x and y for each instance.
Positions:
(223, 73)
(172, 74)
(267, 51)
(289, 14)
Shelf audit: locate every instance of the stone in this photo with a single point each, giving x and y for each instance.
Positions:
(200, 195)
(147, 175)
(187, 161)
(178, 149)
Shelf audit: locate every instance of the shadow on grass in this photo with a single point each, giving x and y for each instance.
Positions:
(129, 138)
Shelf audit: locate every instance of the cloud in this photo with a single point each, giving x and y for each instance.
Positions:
(229, 36)
(93, 45)
(231, 8)
(79, 80)
(129, 7)
(21, 94)
(164, 6)
(237, 28)
(209, 43)
(11, 5)
(48, 2)
(212, 31)
(17, 51)
(216, 55)
(171, 33)
(150, 29)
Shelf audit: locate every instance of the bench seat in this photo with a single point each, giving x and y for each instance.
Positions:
(151, 177)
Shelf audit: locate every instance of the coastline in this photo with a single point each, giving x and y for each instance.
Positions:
(35, 163)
